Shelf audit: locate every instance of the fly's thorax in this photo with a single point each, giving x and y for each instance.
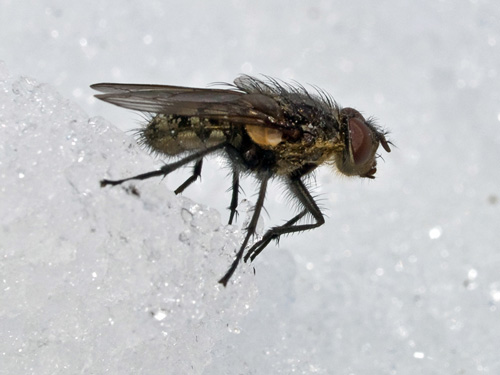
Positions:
(310, 149)
(174, 135)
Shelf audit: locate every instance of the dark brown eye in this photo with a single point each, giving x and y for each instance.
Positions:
(361, 140)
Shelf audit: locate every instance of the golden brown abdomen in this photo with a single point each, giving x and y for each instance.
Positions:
(175, 135)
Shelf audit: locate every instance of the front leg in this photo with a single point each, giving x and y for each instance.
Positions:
(299, 191)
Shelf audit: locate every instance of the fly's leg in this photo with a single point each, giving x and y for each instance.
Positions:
(234, 154)
(299, 191)
(271, 234)
(234, 198)
(196, 174)
(250, 230)
(167, 168)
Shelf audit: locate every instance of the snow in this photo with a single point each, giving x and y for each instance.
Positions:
(402, 279)
(87, 271)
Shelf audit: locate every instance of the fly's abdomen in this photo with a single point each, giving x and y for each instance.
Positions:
(174, 135)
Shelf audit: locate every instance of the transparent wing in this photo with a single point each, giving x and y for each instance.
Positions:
(235, 106)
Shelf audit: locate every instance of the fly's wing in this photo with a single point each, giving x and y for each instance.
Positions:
(232, 105)
(117, 88)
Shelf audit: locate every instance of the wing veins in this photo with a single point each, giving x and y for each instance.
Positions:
(215, 104)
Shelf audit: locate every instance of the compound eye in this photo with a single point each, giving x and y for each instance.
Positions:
(361, 140)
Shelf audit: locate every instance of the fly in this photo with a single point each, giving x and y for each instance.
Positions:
(265, 128)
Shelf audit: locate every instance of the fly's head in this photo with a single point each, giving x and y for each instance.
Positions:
(361, 138)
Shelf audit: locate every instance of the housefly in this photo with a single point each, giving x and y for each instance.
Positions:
(265, 128)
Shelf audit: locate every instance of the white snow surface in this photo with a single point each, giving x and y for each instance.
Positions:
(402, 279)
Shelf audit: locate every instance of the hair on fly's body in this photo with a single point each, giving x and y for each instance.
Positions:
(264, 128)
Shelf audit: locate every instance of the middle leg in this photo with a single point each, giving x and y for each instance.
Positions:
(234, 198)
(250, 229)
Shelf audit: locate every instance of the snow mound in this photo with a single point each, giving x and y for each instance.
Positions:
(114, 280)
